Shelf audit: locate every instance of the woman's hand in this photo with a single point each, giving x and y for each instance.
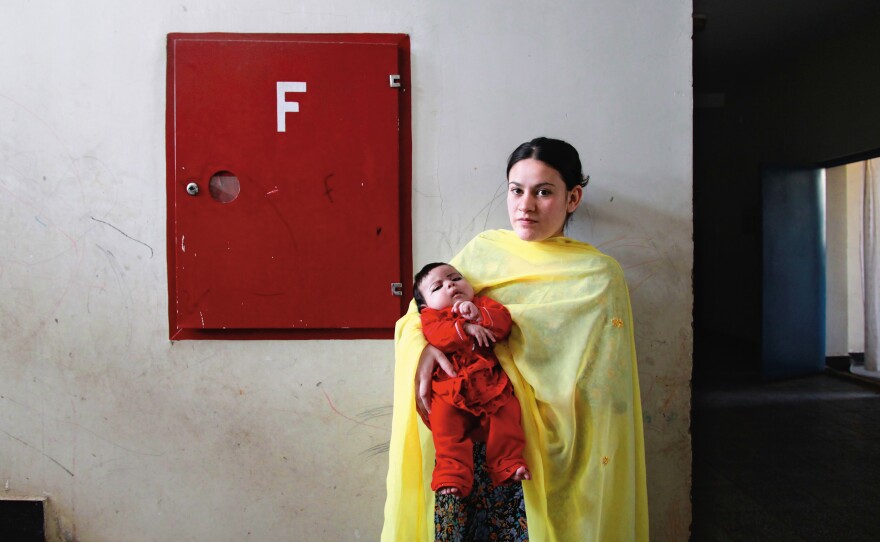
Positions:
(430, 356)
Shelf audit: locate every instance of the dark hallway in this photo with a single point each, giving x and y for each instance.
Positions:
(775, 83)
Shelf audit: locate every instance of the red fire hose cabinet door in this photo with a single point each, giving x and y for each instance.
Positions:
(288, 184)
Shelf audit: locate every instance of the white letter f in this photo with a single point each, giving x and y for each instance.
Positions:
(284, 106)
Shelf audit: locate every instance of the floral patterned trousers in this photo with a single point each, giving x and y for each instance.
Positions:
(496, 514)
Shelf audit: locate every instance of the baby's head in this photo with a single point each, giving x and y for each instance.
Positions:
(439, 285)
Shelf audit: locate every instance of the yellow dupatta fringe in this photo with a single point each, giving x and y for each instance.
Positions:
(571, 359)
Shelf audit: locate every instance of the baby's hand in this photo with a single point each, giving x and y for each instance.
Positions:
(483, 336)
(467, 309)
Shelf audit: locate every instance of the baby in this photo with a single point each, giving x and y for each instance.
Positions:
(478, 403)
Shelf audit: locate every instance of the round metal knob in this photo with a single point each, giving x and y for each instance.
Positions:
(192, 189)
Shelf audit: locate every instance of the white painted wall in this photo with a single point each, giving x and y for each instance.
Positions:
(135, 438)
(855, 182)
(836, 268)
(845, 307)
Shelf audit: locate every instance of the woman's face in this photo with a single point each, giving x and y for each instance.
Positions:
(537, 200)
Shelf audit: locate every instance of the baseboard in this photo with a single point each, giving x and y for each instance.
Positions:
(838, 363)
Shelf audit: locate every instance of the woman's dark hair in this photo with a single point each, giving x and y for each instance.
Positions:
(417, 281)
(557, 154)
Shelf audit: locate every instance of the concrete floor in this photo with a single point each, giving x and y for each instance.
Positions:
(795, 460)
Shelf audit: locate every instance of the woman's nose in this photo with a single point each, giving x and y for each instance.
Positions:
(526, 203)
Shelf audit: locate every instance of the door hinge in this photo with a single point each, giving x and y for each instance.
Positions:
(394, 81)
(397, 289)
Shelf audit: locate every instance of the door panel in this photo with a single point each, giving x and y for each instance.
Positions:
(313, 239)
(793, 304)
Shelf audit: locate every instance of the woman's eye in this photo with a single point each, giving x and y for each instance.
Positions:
(544, 192)
(515, 190)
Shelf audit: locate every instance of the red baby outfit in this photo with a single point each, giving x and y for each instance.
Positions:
(477, 404)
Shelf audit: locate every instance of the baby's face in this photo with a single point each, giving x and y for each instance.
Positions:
(443, 286)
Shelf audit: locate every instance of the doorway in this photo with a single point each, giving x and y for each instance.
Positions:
(845, 267)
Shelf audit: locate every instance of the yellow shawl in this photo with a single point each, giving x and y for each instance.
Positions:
(572, 362)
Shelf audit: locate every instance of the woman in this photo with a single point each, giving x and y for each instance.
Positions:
(571, 360)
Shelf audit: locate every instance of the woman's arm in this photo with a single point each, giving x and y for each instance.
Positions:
(444, 333)
(431, 356)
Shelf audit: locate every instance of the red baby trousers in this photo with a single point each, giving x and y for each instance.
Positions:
(454, 433)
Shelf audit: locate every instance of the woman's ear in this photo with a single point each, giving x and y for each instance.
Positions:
(575, 195)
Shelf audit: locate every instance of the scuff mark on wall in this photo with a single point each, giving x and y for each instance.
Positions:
(124, 234)
(457, 232)
(39, 451)
(349, 418)
(327, 189)
(113, 442)
(378, 449)
(376, 412)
